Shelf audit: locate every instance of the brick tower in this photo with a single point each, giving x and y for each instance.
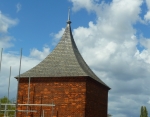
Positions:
(64, 79)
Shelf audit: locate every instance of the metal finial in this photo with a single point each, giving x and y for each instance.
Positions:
(69, 22)
(69, 14)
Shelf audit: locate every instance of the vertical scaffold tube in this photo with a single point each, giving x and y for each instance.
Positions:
(18, 82)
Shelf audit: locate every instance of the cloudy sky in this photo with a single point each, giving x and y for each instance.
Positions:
(112, 36)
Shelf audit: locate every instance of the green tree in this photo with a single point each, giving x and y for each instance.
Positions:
(5, 100)
(144, 112)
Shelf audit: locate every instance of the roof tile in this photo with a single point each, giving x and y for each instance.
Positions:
(64, 61)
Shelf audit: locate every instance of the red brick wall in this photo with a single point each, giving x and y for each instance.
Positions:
(96, 99)
(73, 97)
(68, 94)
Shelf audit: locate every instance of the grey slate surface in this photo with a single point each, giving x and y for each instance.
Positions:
(64, 61)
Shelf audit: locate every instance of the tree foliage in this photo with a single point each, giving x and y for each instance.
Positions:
(5, 100)
(144, 112)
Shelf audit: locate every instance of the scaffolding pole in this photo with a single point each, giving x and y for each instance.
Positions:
(31, 104)
(21, 110)
(8, 93)
(52, 110)
(28, 96)
(18, 82)
(43, 113)
(9, 84)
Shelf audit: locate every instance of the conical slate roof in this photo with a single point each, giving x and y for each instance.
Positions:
(64, 61)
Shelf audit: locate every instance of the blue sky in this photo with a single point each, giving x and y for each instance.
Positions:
(115, 32)
(37, 20)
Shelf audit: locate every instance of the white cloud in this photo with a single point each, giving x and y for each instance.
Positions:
(87, 4)
(5, 41)
(18, 6)
(56, 36)
(40, 54)
(59, 34)
(6, 23)
(148, 3)
(117, 61)
(147, 15)
(145, 54)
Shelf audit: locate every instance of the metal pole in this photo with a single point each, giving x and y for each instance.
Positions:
(28, 96)
(31, 104)
(1, 58)
(43, 113)
(52, 110)
(5, 111)
(8, 88)
(9, 84)
(18, 83)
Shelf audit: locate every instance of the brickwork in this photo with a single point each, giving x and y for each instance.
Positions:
(96, 99)
(68, 94)
(73, 97)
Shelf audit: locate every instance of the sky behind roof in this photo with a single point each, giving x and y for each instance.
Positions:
(112, 36)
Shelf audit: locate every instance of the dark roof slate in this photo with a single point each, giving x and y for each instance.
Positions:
(64, 61)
